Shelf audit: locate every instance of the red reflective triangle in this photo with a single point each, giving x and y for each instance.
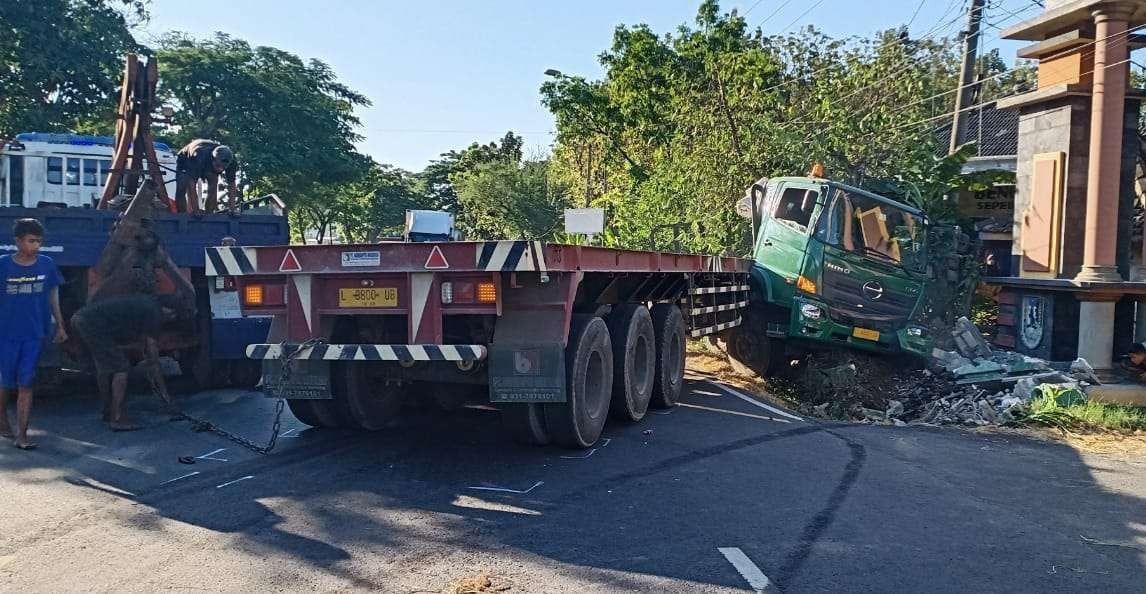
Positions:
(290, 262)
(437, 260)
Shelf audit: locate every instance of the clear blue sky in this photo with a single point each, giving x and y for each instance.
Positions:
(442, 74)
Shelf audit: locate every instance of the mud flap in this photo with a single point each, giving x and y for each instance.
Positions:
(527, 373)
(309, 380)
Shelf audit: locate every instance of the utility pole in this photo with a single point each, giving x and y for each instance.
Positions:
(965, 92)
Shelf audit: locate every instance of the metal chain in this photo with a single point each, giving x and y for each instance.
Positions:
(201, 425)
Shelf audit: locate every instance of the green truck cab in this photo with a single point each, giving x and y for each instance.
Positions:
(833, 265)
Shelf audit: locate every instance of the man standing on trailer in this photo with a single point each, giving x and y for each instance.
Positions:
(204, 160)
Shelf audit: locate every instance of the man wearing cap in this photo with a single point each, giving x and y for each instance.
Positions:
(204, 160)
(1135, 361)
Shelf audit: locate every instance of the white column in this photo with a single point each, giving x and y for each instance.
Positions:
(1095, 333)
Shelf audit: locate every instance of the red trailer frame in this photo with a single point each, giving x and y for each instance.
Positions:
(500, 312)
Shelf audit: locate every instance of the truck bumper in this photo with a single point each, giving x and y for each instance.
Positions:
(911, 338)
(370, 352)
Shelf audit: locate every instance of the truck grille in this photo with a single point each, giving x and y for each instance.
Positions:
(847, 304)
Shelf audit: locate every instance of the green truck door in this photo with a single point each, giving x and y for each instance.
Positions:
(784, 236)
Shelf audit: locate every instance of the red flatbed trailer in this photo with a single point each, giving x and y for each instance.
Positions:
(557, 336)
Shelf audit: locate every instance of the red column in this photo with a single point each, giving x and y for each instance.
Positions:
(1111, 71)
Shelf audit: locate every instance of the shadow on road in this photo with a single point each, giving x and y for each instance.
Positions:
(815, 506)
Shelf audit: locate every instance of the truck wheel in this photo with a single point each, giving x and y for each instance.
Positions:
(668, 379)
(367, 404)
(750, 351)
(578, 422)
(525, 423)
(634, 357)
(316, 413)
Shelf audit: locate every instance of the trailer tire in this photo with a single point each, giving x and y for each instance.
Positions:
(316, 413)
(668, 326)
(525, 423)
(634, 361)
(578, 422)
(366, 406)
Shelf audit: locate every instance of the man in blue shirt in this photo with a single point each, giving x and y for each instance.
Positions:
(29, 300)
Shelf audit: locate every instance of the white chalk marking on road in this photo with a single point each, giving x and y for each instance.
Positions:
(756, 402)
(288, 432)
(249, 476)
(746, 568)
(208, 456)
(733, 412)
(663, 412)
(591, 452)
(475, 503)
(606, 441)
(504, 490)
(179, 478)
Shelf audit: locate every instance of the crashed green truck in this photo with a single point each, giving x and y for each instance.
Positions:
(834, 265)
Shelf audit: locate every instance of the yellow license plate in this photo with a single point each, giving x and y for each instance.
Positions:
(865, 334)
(384, 297)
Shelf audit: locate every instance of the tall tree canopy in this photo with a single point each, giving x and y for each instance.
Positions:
(291, 121)
(61, 62)
(682, 122)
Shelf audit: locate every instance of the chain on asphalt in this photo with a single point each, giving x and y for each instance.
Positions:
(203, 425)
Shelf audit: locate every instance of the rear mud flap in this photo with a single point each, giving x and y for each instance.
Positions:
(309, 380)
(527, 373)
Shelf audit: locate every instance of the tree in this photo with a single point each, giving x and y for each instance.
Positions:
(508, 200)
(436, 180)
(61, 62)
(290, 121)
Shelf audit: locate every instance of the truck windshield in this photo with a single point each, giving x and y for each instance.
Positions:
(875, 229)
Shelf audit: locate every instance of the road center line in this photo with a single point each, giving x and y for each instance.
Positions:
(504, 490)
(746, 568)
(179, 478)
(756, 402)
(249, 476)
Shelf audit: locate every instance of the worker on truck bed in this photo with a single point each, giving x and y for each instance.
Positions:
(108, 327)
(204, 160)
(29, 301)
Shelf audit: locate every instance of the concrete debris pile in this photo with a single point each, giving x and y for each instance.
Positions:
(976, 385)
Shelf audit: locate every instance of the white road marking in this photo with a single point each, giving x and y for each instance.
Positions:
(249, 476)
(208, 455)
(663, 412)
(756, 402)
(591, 452)
(504, 490)
(179, 478)
(606, 441)
(733, 412)
(746, 568)
(288, 432)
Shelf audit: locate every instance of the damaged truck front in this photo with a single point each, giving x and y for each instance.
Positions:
(834, 265)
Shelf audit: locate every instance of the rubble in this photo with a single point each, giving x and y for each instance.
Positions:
(972, 386)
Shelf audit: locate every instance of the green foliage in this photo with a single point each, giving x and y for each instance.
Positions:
(290, 121)
(682, 122)
(510, 200)
(61, 62)
(1049, 410)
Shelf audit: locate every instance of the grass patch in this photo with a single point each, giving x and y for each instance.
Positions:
(1045, 410)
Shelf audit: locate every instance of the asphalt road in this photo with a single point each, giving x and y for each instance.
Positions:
(719, 495)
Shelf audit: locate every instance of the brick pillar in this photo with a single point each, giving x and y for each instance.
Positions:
(1106, 128)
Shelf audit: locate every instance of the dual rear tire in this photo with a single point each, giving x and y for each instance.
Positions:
(614, 368)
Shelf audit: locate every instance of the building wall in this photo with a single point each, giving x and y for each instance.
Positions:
(1056, 126)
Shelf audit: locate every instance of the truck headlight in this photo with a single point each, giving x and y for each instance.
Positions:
(811, 312)
(916, 332)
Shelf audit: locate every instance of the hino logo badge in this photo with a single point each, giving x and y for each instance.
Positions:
(873, 290)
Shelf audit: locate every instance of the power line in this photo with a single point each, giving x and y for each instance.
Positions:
(751, 8)
(773, 13)
(804, 14)
(916, 13)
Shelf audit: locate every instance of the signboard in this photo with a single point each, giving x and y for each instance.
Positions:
(309, 380)
(584, 221)
(997, 201)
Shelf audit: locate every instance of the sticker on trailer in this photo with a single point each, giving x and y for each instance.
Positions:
(527, 373)
(309, 380)
(352, 259)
